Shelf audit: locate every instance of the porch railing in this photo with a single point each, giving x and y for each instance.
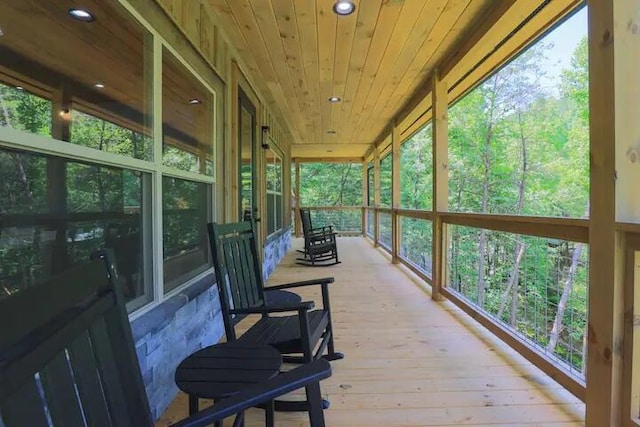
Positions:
(346, 220)
(523, 278)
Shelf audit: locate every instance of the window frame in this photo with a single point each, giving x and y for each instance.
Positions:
(27, 142)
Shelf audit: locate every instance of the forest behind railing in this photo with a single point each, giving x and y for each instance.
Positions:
(517, 146)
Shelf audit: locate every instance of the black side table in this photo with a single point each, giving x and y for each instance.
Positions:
(224, 369)
(280, 297)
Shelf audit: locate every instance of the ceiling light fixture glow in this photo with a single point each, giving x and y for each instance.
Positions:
(81, 15)
(194, 101)
(344, 7)
(334, 99)
(99, 85)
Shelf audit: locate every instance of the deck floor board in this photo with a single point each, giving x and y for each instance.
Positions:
(411, 361)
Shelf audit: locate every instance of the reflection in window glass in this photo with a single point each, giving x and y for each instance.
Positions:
(104, 67)
(185, 213)
(416, 174)
(94, 132)
(246, 134)
(187, 114)
(56, 212)
(274, 191)
(22, 110)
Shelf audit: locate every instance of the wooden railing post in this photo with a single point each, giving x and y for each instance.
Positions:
(376, 197)
(395, 194)
(297, 204)
(365, 195)
(614, 132)
(440, 184)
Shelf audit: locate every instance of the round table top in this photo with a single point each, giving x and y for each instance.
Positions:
(224, 369)
(281, 297)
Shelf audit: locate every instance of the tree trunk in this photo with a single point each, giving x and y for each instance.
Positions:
(101, 190)
(345, 175)
(513, 284)
(566, 291)
(482, 240)
(5, 112)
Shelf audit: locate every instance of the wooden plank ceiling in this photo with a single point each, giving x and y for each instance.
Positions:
(375, 59)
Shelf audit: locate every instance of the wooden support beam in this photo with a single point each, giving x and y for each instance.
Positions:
(395, 194)
(376, 195)
(614, 99)
(233, 211)
(298, 201)
(365, 195)
(631, 357)
(440, 199)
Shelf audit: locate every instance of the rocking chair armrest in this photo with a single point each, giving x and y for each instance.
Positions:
(326, 228)
(311, 282)
(321, 233)
(260, 393)
(302, 306)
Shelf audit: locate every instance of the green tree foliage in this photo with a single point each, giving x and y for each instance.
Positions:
(330, 184)
(518, 147)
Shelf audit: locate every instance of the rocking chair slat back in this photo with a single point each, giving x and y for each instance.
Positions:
(240, 274)
(73, 361)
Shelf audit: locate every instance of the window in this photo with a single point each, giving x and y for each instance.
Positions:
(187, 126)
(186, 209)
(56, 212)
(187, 119)
(78, 169)
(75, 90)
(274, 191)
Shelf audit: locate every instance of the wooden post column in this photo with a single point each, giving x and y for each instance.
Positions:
(365, 194)
(614, 99)
(376, 196)
(395, 194)
(440, 163)
(296, 213)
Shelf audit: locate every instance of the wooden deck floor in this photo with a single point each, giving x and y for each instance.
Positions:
(413, 362)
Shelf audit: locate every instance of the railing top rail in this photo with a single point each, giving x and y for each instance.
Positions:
(328, 208)
(571, 229)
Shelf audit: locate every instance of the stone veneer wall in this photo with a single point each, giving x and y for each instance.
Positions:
(183, 324)
(275, 248)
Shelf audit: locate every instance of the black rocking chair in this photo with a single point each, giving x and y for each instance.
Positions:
(320, 246)
(301, 337)
(67, 358)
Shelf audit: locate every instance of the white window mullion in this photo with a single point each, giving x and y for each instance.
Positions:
(157, 176)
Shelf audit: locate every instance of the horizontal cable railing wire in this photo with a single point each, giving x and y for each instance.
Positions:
(416, 239)
(535, 286)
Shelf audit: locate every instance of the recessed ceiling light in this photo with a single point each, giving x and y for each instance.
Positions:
(331, 132)
(19, 88)
(194, 101)
(81, 15)
(344, 7)
(99, 85)
(334, 99)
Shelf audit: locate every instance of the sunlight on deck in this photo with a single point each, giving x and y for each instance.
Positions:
(411, 361)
